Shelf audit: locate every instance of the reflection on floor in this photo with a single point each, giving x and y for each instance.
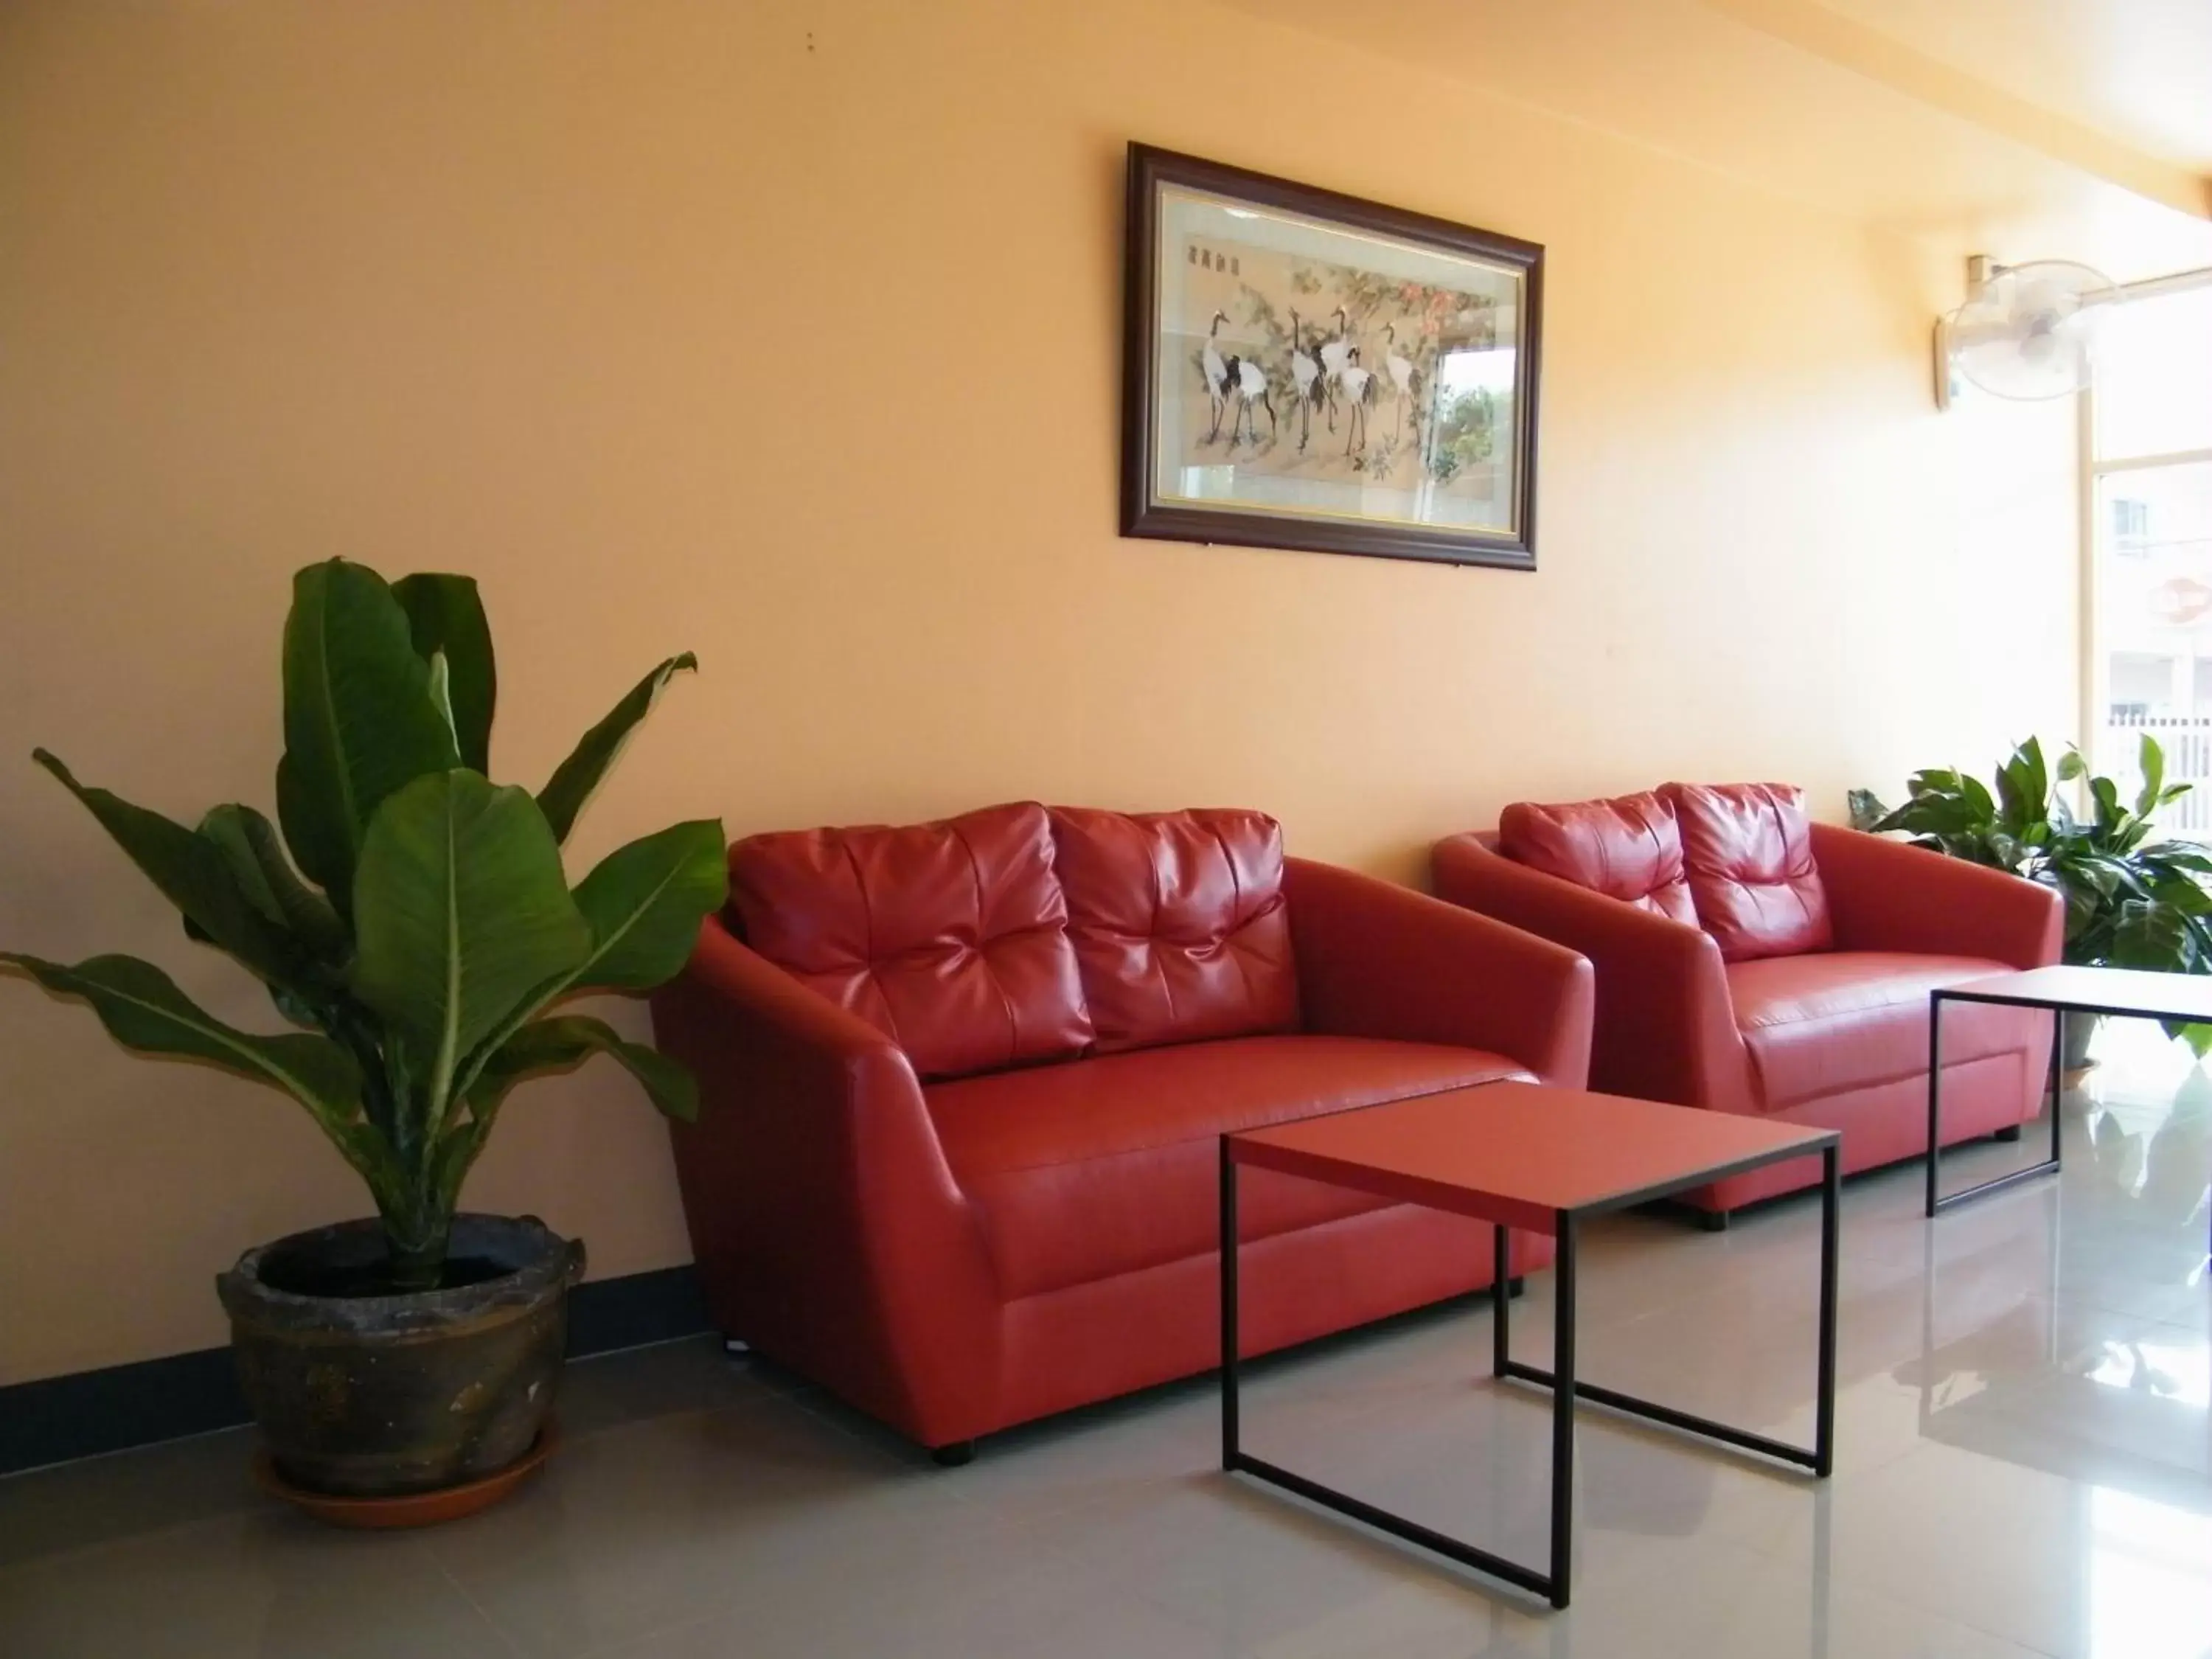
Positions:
(2025, 1467)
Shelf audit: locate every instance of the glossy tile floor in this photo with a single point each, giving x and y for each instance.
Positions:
(2026, 1467)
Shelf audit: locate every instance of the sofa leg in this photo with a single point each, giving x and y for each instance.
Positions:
(1516, 1285)
(2010, 1132)
(954, 1455)
(737, 1348)
(1713, 1221)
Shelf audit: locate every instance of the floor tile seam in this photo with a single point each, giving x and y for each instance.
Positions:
(1936, 1610)
(1858, 1586)
(1024, 1510)
(1854, 1585)
(507, 1639)
(60, 1558)
(1228, 1627)
(570, 1438)
(995, 1593)
(638, 1638)
(853, 1433)
(1791, 1542)
(2127, 1329)
(2142, 1463)
(2105, 1305)
(785, 1385)
(1035, 1505)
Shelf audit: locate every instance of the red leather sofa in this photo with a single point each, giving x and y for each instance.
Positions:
(957, 1157)
(1751, 961)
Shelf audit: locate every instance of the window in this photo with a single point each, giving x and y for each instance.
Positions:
(2155, 374)
(2130, 525)
(2151, 469)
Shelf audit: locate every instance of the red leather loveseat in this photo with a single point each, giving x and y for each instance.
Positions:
(957, 1157)
(1751, 961)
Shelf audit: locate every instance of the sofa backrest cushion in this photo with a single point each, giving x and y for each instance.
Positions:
(950, 937)
(1748, 850)
(1179, 924)
(1628, 848)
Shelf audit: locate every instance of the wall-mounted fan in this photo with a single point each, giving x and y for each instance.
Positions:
(2024, 332)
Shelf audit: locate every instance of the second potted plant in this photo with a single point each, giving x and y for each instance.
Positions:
(2133, 900)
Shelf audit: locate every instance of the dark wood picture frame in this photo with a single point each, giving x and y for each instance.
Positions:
(1144, 514)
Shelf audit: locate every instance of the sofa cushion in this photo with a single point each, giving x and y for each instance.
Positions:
(950, 937)
(1847, 1019)
(1628, 848)
(1747, 852)
(1178, 922)
(1112, 1164)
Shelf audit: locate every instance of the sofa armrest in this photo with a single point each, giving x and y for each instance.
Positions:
(1381, 961)
(1889, 895)
(1665, 1026)
(827, 1226)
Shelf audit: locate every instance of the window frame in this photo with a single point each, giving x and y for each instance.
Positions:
(2094, 678)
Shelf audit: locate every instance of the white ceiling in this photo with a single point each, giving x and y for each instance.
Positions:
(1882, 110)
(2140, 70)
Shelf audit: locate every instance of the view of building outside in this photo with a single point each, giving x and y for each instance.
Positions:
(2153, 466)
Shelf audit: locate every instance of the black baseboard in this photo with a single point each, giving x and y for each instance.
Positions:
(87, 1412)
(628, 1312)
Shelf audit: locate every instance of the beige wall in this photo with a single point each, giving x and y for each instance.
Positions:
(790, 334)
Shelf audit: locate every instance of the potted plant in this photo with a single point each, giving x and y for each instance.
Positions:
(2132, 901)
(413, 924)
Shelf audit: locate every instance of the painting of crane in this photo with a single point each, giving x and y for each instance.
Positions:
(1402, 374)
(1315, 312)
(1381, 342)
(1306, 384)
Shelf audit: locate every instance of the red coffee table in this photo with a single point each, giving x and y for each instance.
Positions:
(1542, 1159)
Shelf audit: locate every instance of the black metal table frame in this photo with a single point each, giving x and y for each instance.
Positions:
(1937, 1201)
(1565, 1385)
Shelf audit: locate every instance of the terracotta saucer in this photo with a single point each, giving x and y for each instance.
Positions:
(414, 1508)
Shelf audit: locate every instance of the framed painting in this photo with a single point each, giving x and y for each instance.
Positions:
(1305, 369)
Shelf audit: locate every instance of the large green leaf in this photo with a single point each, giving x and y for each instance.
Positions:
(249, 842)
(574, 779)
(552, 1045)
(2105, 795)
(568, 1040)
(1949, 815)
(2197, 1036)
(2150, 759)
(142, 1009)
(445, 618)
(1978, 801)
(645, 903)
(2149, 936)
(359, 721)
(460, 912)
(1936, 779)
(2025, 786)
(194, 875)
(2192, 857)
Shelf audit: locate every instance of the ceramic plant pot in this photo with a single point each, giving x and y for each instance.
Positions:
(366, 1396)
